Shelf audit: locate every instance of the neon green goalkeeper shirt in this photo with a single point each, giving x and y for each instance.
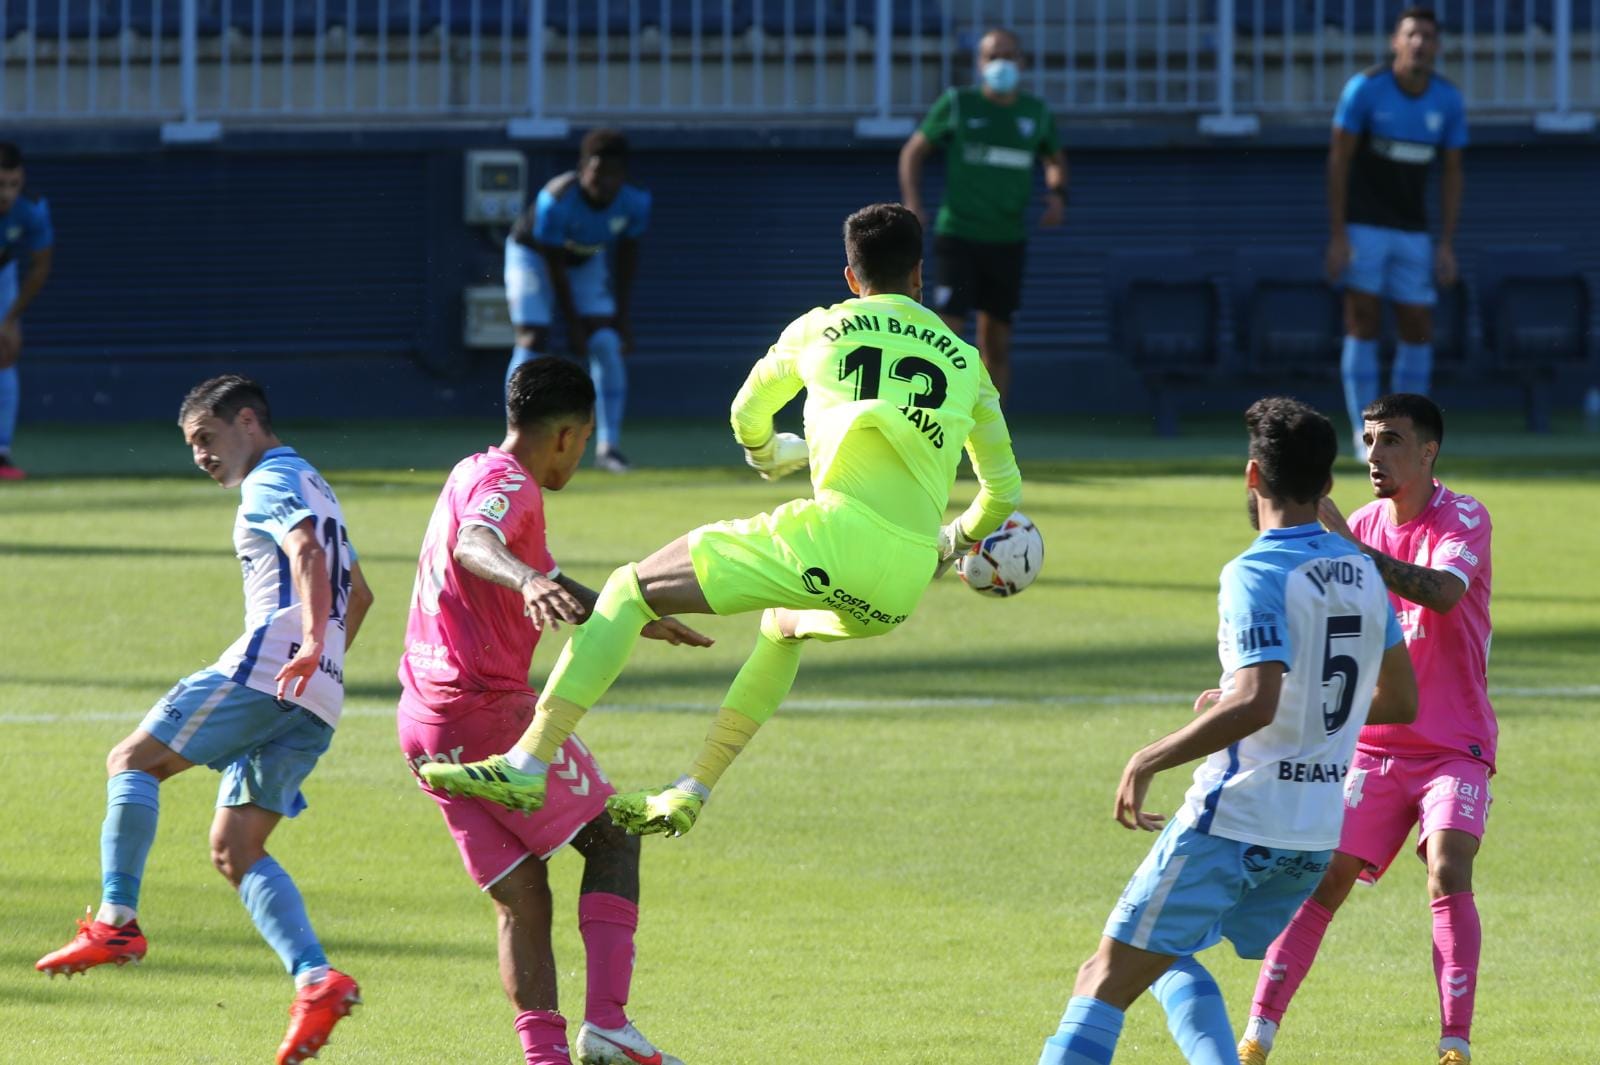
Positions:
(885, 380)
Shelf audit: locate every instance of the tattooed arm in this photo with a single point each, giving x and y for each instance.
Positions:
(1436, 589)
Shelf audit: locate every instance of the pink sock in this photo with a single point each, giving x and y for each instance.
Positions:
(607, 923)
(1457, 942)
(1289, 959)
(544, 1037)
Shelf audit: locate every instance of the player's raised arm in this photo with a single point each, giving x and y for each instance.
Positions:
(988, 447)
(772, 382)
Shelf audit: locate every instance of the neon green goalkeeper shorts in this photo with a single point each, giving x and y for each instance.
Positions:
(850, 571)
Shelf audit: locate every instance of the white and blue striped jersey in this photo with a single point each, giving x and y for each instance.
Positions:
(1314, 602)
(280, 493)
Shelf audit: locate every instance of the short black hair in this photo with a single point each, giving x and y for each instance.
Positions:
(10, 156)
(1421, 14)
(547, 389)
(1425, 415)
(224, 397)
(1293, 446)
(882, 244)
(606, 143)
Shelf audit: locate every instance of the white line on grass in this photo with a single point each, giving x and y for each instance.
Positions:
(365, 708)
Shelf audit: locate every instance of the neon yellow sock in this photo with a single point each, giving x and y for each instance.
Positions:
(553, 722)
(589, 663)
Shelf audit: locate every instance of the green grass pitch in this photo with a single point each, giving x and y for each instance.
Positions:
(908, 864)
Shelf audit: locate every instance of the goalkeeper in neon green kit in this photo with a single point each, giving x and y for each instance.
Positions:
(891, 397)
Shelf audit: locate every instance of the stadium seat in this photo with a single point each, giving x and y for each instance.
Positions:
(1165, 310)
(1535, 319)
(1287, 321)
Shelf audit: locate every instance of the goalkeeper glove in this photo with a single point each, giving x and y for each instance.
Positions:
(671, 811)
(953, 543)
(781, 455)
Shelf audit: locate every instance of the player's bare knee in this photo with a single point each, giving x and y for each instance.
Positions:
(1362, 315)
(1449, 875)
(232, 857)
(1414, 325)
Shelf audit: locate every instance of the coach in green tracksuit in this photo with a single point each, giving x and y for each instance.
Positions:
(991, 133)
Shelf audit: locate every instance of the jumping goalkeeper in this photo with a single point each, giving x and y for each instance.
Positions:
(891, 397)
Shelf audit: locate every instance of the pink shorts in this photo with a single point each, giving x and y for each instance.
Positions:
(493, 840)
(1385, 796)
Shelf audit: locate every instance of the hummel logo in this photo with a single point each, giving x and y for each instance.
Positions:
(1276, 971)
(1458, 985)
(1471, 523)
(1468, 505)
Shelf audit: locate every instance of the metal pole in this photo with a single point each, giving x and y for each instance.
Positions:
(189, 129)
(1225, 123)
(536, 126)
(882, 124)
(1563, 119)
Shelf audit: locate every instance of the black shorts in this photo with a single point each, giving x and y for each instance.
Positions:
(974, 275)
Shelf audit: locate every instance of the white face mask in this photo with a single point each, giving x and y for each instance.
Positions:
(1001, 76)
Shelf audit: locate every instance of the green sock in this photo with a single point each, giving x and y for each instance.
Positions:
(599, 648)
(767, 675)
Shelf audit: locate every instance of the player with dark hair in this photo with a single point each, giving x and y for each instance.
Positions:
(25, 236)
(992, 134)
(262, 715)
(1431, 546)
(891, 397)
(1310, 650)
(556, 261)
(1391, 123)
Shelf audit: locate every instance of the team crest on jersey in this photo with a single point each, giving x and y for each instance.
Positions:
(1025, 126)
(494, 508)
(1435, 121)
(618, 225)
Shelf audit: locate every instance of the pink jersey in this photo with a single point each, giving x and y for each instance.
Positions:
(466, 635)
(1450, 652)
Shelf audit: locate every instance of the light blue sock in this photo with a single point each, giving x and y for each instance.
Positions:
(1087, 1036)
(133, 804)
(1413, 368)
(1196, 1016)
(610, 385)
(10, 399)
(280, 915)
(1358, 365)
(519, 355)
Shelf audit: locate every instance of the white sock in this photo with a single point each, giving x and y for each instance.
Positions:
(524, 762)
(1262, 1031)
(314, 975)
(114, 915)
(1452, 1043)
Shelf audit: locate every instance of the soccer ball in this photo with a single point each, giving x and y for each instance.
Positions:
(1006, 561)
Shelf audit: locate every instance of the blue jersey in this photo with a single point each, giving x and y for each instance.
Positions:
(561, 217)
(1314, 602)
(280, 493)
(1400, 136)
(24, 230)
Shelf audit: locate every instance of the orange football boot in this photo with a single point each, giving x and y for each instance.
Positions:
(317, 1008)
(96, 943)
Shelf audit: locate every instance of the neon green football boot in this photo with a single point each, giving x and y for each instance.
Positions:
(493, 778)
(670, 812)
